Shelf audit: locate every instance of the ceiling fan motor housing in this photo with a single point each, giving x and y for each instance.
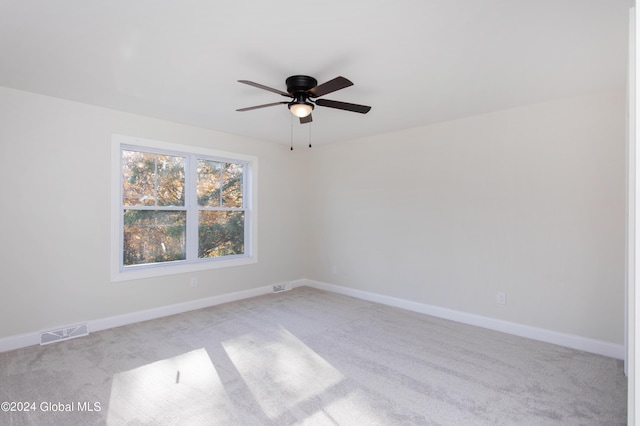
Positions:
(297, 84)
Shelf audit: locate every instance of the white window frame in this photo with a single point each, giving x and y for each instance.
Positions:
(250, 194)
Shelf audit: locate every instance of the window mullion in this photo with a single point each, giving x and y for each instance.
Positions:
(155, 180)
(191, 203)
(221, 185)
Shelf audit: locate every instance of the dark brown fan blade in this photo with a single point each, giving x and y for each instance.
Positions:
(307, 119)
(330, 86)
(261, 86)
(362, 109)
(262, 106)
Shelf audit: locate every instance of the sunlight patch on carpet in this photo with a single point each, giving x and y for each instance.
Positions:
(282, 373)
(184, 389)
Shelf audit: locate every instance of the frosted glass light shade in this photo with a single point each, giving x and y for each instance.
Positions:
(301, 109)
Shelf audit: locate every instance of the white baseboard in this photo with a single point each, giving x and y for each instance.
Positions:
(576, 342)
(30, 339)
(568, 340)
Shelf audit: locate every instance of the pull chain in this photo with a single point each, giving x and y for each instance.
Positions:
(291, 132)
(291, 137)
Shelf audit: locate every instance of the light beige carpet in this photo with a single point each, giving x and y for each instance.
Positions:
(309, 357)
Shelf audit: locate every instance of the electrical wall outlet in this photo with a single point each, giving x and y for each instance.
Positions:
(194, 281)
(501, 298)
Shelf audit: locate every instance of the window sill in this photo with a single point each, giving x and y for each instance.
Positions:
(159, 270)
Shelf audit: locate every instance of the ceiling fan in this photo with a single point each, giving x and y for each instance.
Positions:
(303, 90)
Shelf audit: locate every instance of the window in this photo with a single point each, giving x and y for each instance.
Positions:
(180, 209)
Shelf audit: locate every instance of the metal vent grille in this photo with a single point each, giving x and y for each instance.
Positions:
(277, 288)
(66, 333)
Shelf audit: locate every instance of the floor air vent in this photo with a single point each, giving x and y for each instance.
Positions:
(278, 288)
(66, 333)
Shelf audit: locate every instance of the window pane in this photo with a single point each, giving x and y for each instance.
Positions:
(170, 180)
(221, 233)
(232, 185)
(152, 236)
(209, 183)
(151, 179)
(138, 186)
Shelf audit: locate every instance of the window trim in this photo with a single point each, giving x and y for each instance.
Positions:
(118, 273)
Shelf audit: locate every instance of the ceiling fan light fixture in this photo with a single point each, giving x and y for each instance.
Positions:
(300, 109)
(300, 89)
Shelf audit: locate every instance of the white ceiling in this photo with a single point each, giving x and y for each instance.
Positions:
(414, 61)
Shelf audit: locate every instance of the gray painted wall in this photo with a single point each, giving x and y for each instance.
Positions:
(529, 201)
